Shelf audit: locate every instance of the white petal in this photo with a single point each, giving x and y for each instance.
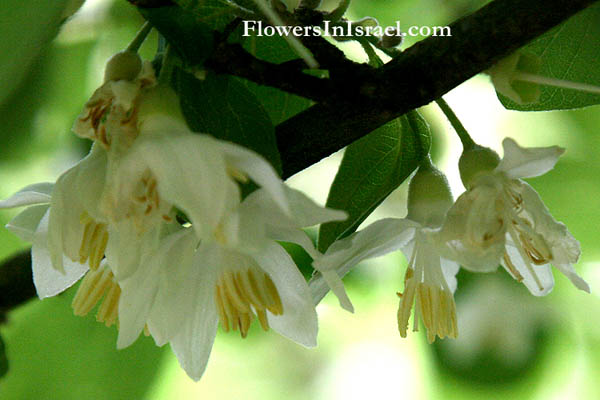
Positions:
(193, 343)
(258, 169)
(48, 281)
(38, 193)
(304, 211)
(65, 229)
(450, 269)
(126, 247)
(569, 272)
(184, 268)
(334, 282)
(66, 207)
(308, 213)
(26, 223)
(262, 220)
(138, 292)
(297, 236)
(565, 248)
(543, 273)
(473, 233)
(190, 172)
(379, 238)
(520, 162)
(90, 181)
(299, 319)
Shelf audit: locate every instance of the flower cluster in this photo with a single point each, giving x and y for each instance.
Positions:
(498, 220)
(154, 224)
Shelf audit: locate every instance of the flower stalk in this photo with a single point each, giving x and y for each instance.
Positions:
(462, 133)
(560, 83)
(139, 38)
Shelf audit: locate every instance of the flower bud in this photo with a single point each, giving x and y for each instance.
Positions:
(125, 65)
(429, 196)
(475, 160)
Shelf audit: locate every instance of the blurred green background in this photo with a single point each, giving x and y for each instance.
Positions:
(510, 343)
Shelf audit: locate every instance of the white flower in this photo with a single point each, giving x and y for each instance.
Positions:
(32, 225)
(501, 219)
(430, 280)
(170, 166)
(121, 199)
(237, 275)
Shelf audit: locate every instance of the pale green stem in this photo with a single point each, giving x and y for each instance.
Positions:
(427, 163)
(294, 43)
(139, 38)
(167, 67)
(543, 80)
(462, 133)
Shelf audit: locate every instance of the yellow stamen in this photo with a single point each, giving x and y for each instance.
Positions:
(109, 309)
(94, 286)
(435, 305)
(93, 242)
(242, 295)
(237, 174)
(511, 267)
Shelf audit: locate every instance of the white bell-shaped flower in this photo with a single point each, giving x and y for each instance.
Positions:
(500, 219)
(237, 275)
(144, 165)
(430, 280)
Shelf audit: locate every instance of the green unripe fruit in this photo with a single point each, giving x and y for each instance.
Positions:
(125, 65)
(474, 161)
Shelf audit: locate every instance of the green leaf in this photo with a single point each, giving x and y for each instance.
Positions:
(222, 106)
(279, 104)
(214, 13)
(3, 359)
(26, 29)
(40, 112)
(569, 52)
(192, 38)
(371, 169)
(56, 355)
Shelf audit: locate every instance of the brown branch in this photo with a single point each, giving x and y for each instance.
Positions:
(232, 59)
(16, 282)
(423, 73)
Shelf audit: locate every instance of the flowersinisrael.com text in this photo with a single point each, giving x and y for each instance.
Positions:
(347, 29)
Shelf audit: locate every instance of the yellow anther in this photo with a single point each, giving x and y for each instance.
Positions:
(237, 174)
(93, 242)
(94, 286)
(242, 295)
(433, 304)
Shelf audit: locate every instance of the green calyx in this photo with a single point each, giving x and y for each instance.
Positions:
(474, 161)
(429, 196)
(124, 65)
